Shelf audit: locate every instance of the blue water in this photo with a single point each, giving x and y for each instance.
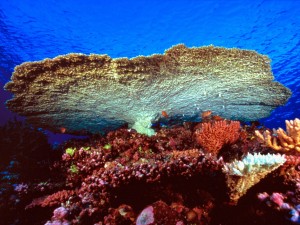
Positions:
(34, 30)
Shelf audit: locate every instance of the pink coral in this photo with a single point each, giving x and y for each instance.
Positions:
(59, 217)
(286, 203)
(277, 198)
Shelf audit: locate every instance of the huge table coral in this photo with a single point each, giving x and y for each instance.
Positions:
(96, 93)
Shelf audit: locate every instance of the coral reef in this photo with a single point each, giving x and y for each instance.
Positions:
(158, 213)
(128, 178)
(285, 203)
(95, 93)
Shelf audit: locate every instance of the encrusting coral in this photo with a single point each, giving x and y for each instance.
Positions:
(126, 163)
(95, 93)
(280, 140)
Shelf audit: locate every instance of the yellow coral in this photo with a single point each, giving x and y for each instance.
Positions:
(282, 141)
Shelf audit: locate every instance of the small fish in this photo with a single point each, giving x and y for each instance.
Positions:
(206, 114)
(217, 118)
(165, 114)
(62, 130)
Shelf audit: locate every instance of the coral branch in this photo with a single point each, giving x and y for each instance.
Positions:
(281, 140)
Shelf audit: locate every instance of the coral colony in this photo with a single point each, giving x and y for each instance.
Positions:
(168, 142)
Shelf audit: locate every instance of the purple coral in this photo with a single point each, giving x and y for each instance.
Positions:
(284, 203)
(295, 215)
(146, 217)
(60, 213)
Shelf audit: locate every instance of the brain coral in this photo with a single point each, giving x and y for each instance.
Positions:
(97, 93)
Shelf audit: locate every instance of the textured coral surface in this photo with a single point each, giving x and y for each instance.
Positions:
(129, 178)
(95, 92)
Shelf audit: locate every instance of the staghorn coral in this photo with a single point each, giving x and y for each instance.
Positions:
(243, 174)
(212, 136)
(96, 93)
(287, 142)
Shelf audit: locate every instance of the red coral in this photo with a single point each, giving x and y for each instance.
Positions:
(52, 200)
(124, 214)
(213, 135)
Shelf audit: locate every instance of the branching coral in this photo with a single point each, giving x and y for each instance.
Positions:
(213, 135)
(280, 140)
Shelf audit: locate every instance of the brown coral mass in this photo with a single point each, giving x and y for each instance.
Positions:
(97, 93)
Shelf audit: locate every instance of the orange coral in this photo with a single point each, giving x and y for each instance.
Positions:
(213, 135)
(281, 140)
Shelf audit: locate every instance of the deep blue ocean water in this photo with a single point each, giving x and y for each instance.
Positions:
(34, 30)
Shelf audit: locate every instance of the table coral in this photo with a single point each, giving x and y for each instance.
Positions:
(96, 93)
